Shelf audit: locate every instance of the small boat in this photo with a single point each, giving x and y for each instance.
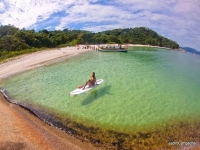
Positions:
(113, 49)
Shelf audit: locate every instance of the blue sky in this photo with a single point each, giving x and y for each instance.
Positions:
(178, 20)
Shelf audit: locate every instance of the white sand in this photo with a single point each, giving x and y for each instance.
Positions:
(35, 59)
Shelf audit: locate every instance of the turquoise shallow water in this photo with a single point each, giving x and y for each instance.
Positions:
(142, 89)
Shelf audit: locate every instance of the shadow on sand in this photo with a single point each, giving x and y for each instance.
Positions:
(95, 94)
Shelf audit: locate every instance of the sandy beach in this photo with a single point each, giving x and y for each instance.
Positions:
(19, 129)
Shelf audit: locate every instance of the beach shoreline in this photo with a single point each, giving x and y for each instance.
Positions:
(29, 61)
(36, 59)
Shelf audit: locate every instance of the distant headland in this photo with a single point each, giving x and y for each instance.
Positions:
(191, 50)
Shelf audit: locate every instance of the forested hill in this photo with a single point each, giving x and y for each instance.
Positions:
(14, 41)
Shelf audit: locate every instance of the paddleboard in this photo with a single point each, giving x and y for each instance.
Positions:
(80, 90)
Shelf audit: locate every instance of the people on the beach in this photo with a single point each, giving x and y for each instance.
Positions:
(91, 82)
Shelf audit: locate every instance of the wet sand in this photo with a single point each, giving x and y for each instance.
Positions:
(19, 129)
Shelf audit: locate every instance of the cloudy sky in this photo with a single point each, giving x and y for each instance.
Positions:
(178, 20)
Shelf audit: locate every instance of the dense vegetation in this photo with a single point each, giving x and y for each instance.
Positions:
(14, 41)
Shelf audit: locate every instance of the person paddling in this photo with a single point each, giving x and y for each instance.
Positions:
(91, 82)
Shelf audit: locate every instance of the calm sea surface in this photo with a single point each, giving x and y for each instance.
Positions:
(142, 89)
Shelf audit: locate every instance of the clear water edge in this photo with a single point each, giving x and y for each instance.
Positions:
(142, 89)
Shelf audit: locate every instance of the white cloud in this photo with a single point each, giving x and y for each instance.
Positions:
(92, 13)
(2, 7)
(176, 19)
(26, 13)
